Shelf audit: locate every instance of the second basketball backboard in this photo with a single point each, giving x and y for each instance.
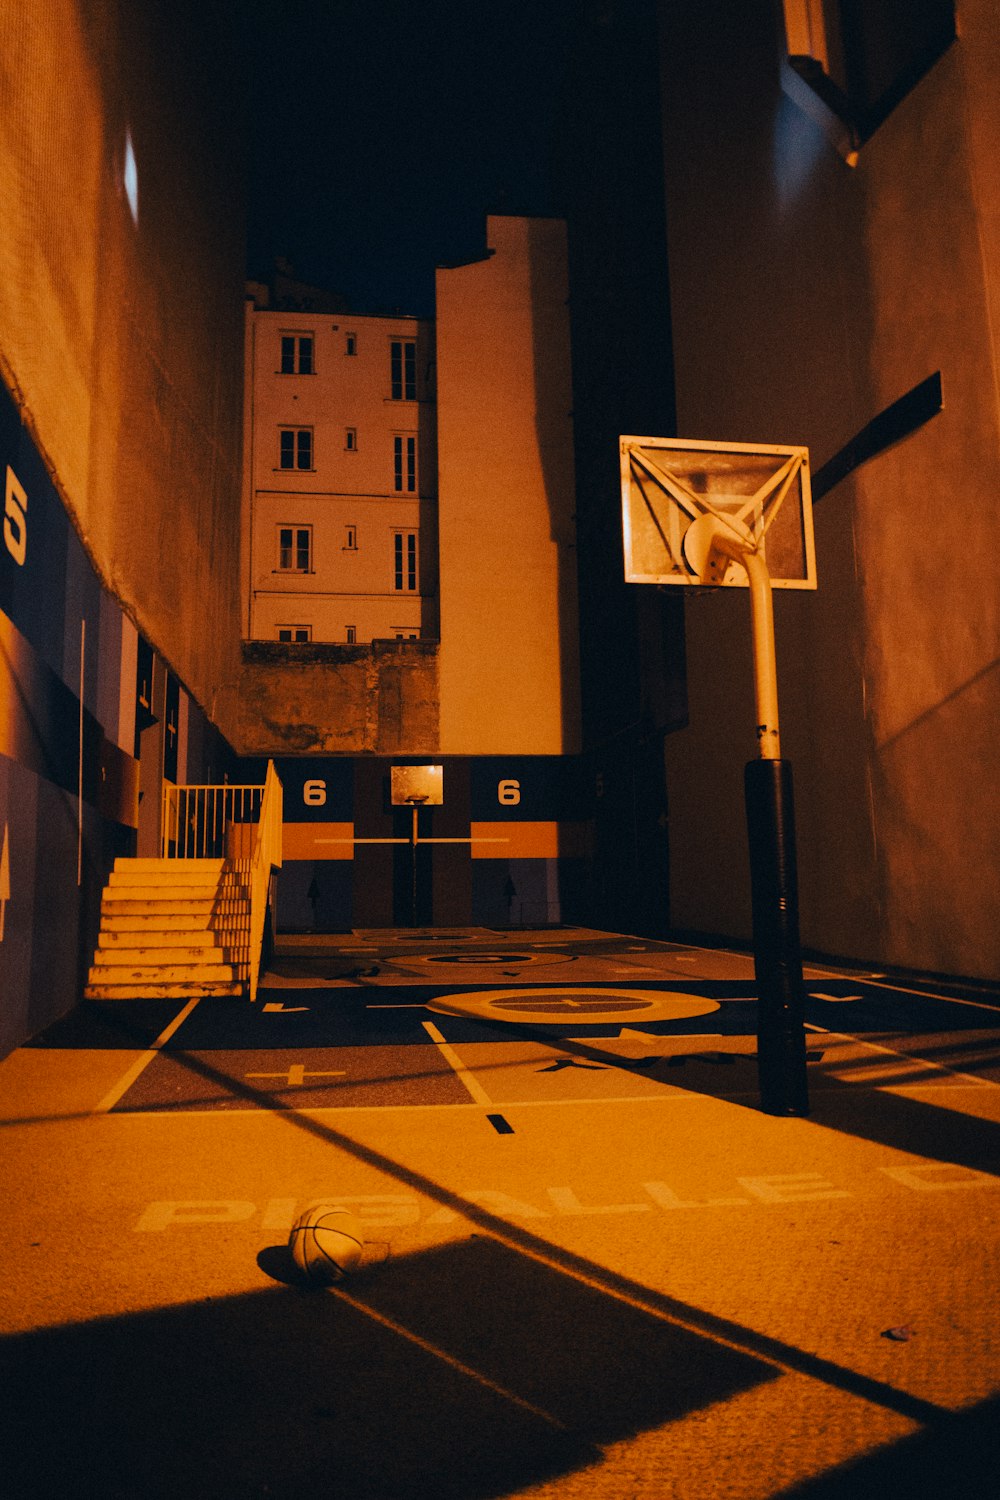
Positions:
(760, 491)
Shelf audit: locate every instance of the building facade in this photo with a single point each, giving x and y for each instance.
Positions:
(340, 477)
(410, 586)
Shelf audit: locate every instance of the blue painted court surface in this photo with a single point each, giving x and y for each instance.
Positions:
(367, 1021)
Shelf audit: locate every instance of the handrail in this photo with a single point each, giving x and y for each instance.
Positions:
(208, 822)
(242, 826)
(266, 857)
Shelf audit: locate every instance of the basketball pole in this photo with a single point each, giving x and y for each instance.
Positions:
(770, 812)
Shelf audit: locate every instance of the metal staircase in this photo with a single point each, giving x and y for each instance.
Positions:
(173, 927)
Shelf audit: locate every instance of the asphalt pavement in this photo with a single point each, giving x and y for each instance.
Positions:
(592, 1267)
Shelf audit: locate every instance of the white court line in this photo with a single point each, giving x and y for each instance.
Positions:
(928, 995)
(143, 1060)
(926, 1062)
(332, 1111)
(676, 1095)
(452, 1058)
(448, 1359)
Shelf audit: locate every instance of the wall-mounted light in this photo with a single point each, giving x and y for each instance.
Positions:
(130, 178)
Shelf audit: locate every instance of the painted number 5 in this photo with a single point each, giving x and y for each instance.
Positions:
(15, 520)
(509, 793)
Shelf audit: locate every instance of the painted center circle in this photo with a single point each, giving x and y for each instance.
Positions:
(583, 1007)
(472, 959)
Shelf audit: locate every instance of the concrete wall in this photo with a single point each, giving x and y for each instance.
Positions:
(509, 653)
(91, 721)
(808, 295)
(120, 321)
(121, 263)
(339, 700)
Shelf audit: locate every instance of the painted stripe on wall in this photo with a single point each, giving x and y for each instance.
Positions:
(548, 840)
(301, 841)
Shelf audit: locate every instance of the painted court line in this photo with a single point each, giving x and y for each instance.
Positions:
(454, 1061)
(143, 1060)
(448, 1359)
(929, 995)
(911, 1059)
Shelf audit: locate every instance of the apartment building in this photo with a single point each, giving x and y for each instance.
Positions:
(340, 474)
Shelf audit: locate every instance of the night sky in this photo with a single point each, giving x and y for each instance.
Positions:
(383, 131)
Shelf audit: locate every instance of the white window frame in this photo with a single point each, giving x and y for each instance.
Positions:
(296, 339)
(405, 561)
(302, 441)
(294, 635)
(405, 470)
(403, 369)
(294, 547)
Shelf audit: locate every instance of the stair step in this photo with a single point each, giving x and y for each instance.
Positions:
(127, 906)
(152, 935)
(143, 957)
(161, 973)
(144, 920)
(183, 871)
(158, 991)
(176, 891)
(172, 928)
(152, 866)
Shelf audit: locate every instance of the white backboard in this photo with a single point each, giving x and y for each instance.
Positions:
(668, 483)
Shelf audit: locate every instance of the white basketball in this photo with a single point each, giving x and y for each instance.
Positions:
(326, 1242)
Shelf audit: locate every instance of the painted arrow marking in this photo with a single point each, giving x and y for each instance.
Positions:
(274, 1005)
(835, 999)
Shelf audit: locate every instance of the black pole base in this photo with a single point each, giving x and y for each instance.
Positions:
(781, 1042)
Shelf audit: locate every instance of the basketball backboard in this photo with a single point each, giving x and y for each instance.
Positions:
(417, 785)
(760, 491)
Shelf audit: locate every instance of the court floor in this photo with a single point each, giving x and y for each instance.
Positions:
(593, 1266)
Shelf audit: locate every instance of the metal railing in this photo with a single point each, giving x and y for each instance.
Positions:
(209, 822)
(240, 825)
(265, 857)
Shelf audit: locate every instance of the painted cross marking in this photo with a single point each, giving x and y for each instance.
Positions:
(296, 1075)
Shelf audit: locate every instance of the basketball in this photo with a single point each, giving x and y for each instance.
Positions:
(326, 1242)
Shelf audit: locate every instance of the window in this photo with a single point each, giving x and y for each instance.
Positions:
(403, 634)
(297, 354)
(350, 343)
(405, 561)
(295, 634)
(350, 538)
(351, 439)
(404, 464)
(403, 362)
(294, 549)
(352, 635)
(296, 447)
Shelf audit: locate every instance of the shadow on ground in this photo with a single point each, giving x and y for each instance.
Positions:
(465, 1372)
(959, 1459)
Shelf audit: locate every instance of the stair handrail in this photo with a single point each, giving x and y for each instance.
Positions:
(206, 820)
(265, 858)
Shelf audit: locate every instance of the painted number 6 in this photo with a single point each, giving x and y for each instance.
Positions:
(509, 793)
